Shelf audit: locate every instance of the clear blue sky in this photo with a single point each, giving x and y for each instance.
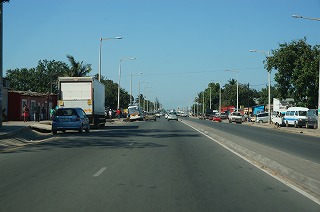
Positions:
(180, 45)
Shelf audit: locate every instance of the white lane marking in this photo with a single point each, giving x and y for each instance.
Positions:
(98, 173)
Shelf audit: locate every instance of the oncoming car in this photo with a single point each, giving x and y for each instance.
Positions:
(70, 119)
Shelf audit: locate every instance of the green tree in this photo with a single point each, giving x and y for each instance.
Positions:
(297, 65)
(264, 94)
(39, 79)
(77, 69)
(214, 89)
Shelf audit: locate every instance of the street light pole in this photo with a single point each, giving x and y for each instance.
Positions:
(100, 47)
(237, 86)
(133, 58)
(203, 105)
(131, 87)
(269, 83)
(140, 93)
(314, 19)
(219, 95)
(210, 97)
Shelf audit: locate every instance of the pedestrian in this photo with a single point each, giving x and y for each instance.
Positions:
(44, 113)
(37, 112)
(52, 111)
(25, 113)
(118, 113)
(110, 113)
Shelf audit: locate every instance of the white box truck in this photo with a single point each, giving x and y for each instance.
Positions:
(86, 93)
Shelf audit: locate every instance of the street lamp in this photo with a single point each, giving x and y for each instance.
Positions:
(140, 94)
(132, 58)
(267, 54)
(219, 95)
(131, 87)
(299, 16)
(314, 19)
(203, 105)
(210, 97)
(237, 87)
(101, 39)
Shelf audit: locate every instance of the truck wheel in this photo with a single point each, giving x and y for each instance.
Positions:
(96, 122)
(295, 125)
(88, 128)
(287, 124)
(315, 126)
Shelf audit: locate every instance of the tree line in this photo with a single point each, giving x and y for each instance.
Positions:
(296, 67)
(43, 79)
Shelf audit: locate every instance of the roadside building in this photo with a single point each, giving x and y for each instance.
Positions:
(17, 99)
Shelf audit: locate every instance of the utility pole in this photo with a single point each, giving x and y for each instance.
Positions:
(1, 60)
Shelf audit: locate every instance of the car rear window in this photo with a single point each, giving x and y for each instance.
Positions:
(66, 112)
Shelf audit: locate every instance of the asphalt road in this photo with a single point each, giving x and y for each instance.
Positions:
(140, 166)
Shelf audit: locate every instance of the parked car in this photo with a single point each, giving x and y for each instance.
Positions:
(172, 116)
(312, 119)
(262, 117)
(235, 117)
(216, 118)
(223, 115)
(70, 119)
(211, 117)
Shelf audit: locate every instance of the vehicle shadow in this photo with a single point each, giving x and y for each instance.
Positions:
(110, 137)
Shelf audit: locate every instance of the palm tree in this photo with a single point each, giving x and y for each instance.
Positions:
(77, 69)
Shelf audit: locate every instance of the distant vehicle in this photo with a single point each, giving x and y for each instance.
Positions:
(262, 117)
(312, 120)
(223, 115)
(211, 117)
(70, 119)
(183, 114)
(296, 116)
(150, 116)
(135, 113)
(216, 118)
(172, 116)
(86, 93)
(235, 117)
(158, 115)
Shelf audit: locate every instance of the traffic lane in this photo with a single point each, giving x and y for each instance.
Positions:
(157, 166)
(304, 146)
(192, 173)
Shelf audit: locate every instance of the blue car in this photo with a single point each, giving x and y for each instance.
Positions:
(70, 119)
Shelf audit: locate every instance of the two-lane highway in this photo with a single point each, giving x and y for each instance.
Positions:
(140, 166)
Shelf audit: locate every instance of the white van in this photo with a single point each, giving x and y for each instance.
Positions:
(296, 116)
